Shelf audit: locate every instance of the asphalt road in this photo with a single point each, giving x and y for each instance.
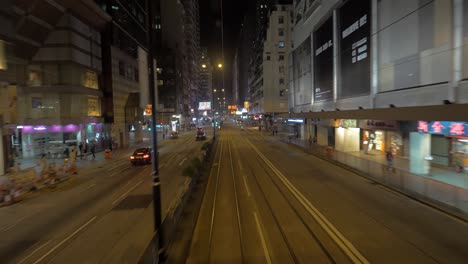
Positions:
(103, 215)
(268, 202)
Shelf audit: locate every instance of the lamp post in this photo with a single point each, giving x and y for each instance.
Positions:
(160, 249)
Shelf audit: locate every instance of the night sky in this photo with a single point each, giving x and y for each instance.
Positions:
(210, 17)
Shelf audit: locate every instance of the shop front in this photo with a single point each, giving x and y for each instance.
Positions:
(325, 131)
(380, 136)
(448, 142)
(297, 127)
(34, 141)
(347, 136)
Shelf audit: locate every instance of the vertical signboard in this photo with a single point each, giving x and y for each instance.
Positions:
(323, 62)
(355, 25)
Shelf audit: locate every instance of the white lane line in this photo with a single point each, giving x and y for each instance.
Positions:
(123, 195)
(13, 225)
(246, 186)
(32, 253)
(262, 237)
(244, 177)
(65, 240)
(180, 163)
(348, 248)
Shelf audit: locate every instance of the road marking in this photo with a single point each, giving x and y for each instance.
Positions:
(180, 163)
(32, 253)
(13, 225)
(123, 195)
(327, 226)
(65, 240)
(262, 237)
(243, 177)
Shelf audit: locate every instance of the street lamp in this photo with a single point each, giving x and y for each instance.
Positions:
(203, 66)
(220, 65)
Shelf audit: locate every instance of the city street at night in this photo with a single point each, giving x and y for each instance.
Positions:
(270, 202)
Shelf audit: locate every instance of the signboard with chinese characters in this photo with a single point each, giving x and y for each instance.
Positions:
(378, 124)
(355, 22)
(93, 107)
(323, 58)
(448, 128)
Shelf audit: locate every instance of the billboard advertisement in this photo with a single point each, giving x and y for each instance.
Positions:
(355, 25)
(323, 62)
(204, 106)
(302, 75)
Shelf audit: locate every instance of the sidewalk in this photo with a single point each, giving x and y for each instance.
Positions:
(445, 175)
(28, 166)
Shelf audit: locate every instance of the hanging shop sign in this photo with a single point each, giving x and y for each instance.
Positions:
(378, 124)
(448, 128)
(296, 120)
(348, 123)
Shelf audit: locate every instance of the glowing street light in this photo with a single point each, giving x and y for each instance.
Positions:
(214, 90)
(220, 65)
(203, 66)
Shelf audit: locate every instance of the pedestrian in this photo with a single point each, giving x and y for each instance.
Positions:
(80, 146)
(85, 150)
(73, 153)
(389, 158)
(93, 150)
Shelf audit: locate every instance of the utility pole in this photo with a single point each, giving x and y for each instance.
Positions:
(154, 134)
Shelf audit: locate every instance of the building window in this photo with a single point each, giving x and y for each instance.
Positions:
(281, 81)
(283, 93)
(268, 57)
(280, 32)
(137, 75)
(281, 69)
(34, 78)
(121, 68)
(281, 44)
(281, 57)
(36, 102)
(90, 80)
(280, 20)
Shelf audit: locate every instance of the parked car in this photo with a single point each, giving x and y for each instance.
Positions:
(141, 156)
(201, 135)
(174, 135)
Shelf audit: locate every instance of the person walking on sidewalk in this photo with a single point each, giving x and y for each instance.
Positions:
(93, 150)
(389, 157)
(81, 149)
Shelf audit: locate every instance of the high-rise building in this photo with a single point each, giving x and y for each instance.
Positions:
(268, 72)
(383, 76)
(50, 77)
(192, 49)
(125, 74)
(246, 39)
(206, 77)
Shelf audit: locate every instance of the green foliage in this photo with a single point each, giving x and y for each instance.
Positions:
(205, 146)
(195, 166)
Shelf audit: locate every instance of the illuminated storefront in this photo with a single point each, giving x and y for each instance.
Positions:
(449, 142)
(33, 141)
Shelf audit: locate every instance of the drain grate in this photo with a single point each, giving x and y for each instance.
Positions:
(134, 202)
